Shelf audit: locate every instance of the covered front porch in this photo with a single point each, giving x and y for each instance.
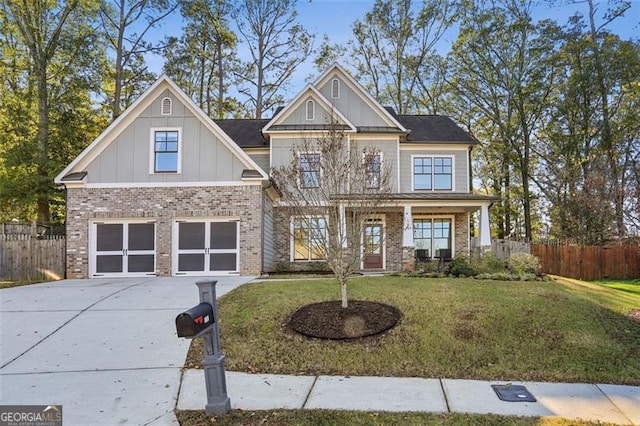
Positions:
(437, 226)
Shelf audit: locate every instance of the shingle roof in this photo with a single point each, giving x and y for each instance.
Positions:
(247, 133)
(432, 128)
(453, 196)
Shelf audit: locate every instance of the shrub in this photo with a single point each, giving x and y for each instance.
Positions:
(318, 267)
(498, 276)
(524, 263)
(460, 267)
(428, 266)
(488, 263)
(282, 266)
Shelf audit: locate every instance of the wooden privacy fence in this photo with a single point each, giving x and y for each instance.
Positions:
(503, 249)
(26, 258)
(589, 262)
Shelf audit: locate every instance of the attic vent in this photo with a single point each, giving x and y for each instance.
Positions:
(166, 106)
(335, 88)
(311, 110)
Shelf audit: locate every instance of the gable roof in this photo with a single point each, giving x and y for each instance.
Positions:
(309, 91)
(434, 128)
(247, 133)
(135, 109)
(361, 92)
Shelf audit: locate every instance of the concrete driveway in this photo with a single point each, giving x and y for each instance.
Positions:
(104, 349)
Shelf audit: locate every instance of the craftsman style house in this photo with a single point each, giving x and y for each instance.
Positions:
(166, 190)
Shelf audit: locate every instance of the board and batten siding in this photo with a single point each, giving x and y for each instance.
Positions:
(352, 106)
(261, 160)
(389, 150)
(299, 114)
(204, 158)
(460, 166)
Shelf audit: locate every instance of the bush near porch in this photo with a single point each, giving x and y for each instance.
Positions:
(451, 328)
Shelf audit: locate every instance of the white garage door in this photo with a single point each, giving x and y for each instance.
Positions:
(122, 249)
(205, 247)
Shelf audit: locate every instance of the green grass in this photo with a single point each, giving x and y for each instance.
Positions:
(629, 286)
(331, 417)
(451, 328)
(619, 296)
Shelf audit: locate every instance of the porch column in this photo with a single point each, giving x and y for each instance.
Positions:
(343, 225)
(407, 228)
(485, 237)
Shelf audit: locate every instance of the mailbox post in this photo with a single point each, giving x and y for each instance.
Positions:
(196, 323)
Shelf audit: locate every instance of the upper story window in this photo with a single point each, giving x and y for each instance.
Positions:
(373, 167)
(309, 170)
(433, 173)
(335, 88)
(166, 145)
(309, 234)
(311, 110)
(166, 106)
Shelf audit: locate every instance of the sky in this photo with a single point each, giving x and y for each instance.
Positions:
(336, 17)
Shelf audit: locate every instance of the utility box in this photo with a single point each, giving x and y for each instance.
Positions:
(196, 320)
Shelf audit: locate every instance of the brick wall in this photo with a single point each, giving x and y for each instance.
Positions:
(163, 205)
(282, 244)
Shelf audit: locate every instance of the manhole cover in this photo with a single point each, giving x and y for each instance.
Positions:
(513, 393)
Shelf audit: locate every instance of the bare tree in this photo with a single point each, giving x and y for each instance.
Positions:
(126, 25)
(277, 45)
(330, 189)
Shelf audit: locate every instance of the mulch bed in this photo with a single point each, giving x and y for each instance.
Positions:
(635, 314)
(329, 320)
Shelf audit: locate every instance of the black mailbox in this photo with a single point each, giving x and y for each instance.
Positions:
(194, 321)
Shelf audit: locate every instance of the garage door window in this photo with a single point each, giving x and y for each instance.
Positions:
(123, 248)
(207, 246)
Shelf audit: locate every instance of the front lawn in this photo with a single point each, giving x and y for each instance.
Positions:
(451, 328)
(333, 417)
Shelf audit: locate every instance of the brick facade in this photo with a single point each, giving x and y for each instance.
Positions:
(397, 257)
(163, 205)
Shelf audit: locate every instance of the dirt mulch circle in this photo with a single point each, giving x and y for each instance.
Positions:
(329, 320)
(635, 314)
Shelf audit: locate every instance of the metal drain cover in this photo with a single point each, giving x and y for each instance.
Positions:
(513, 393)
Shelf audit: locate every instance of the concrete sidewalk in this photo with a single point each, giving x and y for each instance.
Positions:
(593, 402)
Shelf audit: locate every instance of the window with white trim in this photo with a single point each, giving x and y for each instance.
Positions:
(165, 151)
(309, 165)
(166, 106)
(308, 237)
(433, 235)
(335, 88)
(433, 173)
(311, 110)
(373, 170)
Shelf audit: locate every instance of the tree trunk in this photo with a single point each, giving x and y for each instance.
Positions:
(343, 291)
(43, 148)
(117, 94)
(220, 106)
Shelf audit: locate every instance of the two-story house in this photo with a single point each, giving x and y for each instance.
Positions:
(165, 190)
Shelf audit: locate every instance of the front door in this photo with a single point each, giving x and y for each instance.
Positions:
(372, 242)
(206, 247)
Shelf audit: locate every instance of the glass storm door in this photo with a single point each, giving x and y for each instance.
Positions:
(124, 249)
(206, 247)
(372, 245)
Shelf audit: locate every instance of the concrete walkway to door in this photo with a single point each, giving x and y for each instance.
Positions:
(104, 349)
